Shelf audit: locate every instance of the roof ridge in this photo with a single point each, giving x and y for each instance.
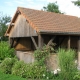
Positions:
(49, 21)
(47, 12)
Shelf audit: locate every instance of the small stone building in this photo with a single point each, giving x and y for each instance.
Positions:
(30, 29)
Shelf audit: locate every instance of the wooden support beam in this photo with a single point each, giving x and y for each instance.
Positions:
(79, 44)
(79, 52)
(34, 42)
(9, 40)
(51, 40)
(40, 41)
(12, 42)
(16, 42)
(69, 42)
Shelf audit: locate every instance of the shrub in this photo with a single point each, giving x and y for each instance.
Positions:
(41, 55)
(19, 69)
(77, 76)
(39, 68)
(7, 64)
(30, 71)
(5, 51)
(36, 71)
(66, 63)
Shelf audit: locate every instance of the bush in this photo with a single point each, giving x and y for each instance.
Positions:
(19, 69)
(5, 51)
(66, 63)
(7, 64)
(35, 71)
(41, 55)
(77, 76)
(30, 71)
(39, 69)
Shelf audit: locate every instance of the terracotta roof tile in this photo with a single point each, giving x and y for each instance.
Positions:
(51, 22)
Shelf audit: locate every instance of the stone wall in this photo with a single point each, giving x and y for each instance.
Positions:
(28, 57)
(52, 62)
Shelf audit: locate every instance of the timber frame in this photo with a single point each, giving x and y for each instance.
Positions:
(50, 41)
(30, 30)
(34, 42)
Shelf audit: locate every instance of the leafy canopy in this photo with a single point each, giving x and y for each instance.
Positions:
(77, 3)
(4, 19)
(52, 7)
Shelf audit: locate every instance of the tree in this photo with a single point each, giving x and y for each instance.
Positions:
(52, 7)
(4, 19)
(77, 3)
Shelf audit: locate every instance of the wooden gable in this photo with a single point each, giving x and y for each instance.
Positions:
(22, 28)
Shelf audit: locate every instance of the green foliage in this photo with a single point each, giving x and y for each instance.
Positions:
(77, 3)
(5, 51)
(35, 71)
(41, 55)
(39, 68)
(31, 71)
(66, 63)
(4, 19)
(77, 76)
(19, 69)
(7, 64)
(9, 77)
(52, 7)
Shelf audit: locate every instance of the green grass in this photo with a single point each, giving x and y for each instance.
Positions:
(9, 77)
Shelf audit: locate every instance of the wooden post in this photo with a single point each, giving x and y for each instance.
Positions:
(79, 52)
(12, 42)
(34, 42)
(40, 41)
(16, 42)
(9, 40)
(69, 40)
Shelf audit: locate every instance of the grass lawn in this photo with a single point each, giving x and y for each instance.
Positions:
(9, 77)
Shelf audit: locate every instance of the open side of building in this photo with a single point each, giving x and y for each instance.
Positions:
(32, 29)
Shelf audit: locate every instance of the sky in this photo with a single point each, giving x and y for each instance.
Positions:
(9, 7)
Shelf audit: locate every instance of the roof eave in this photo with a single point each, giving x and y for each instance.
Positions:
(61, 33)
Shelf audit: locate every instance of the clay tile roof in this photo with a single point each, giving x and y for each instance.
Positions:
(51, 22)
